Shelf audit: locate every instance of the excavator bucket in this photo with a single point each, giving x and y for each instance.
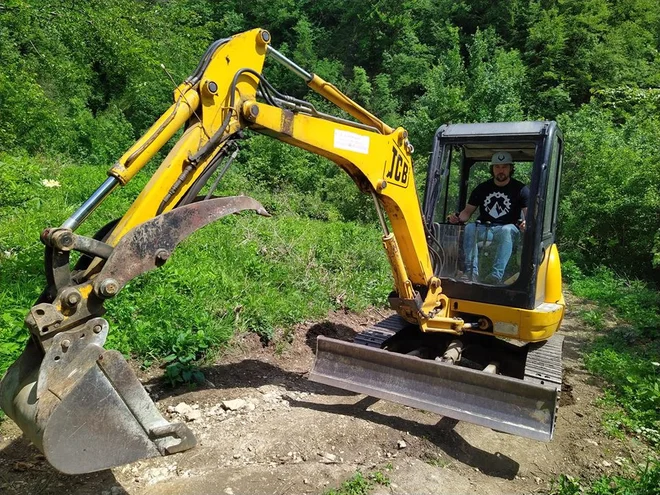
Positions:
(518, 406)
(81, 404)
(83, 407)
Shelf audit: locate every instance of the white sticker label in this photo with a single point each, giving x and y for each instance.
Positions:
(350, 141)
(506, 328)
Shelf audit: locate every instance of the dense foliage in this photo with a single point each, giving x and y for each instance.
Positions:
(85, 80)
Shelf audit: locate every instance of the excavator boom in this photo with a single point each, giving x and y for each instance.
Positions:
(82, 405)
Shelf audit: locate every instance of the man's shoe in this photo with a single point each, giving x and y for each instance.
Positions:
(492, 280)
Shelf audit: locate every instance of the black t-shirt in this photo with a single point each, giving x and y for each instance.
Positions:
(500, 205)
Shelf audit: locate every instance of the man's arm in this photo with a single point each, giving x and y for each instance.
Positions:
(464, 215)
(523, 222)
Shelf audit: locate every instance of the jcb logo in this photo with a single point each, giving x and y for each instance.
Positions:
(399, 171)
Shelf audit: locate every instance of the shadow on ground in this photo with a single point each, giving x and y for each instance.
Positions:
(252, 373)
(331, 330)
(23, 469)
(255, 373)
(442, 435)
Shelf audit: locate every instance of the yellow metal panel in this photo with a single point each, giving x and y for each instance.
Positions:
(553, 285)
(147, 203)
(153, 140)
(330, 92)
(245, 51)
(401, 282)
(522, 324)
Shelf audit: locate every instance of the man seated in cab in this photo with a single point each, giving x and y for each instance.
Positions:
(500, 200)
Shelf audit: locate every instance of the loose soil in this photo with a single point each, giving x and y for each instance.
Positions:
(295, 436)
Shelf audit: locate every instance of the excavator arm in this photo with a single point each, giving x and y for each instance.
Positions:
(70, 395)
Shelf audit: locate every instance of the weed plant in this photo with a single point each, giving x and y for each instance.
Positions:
(360, 484)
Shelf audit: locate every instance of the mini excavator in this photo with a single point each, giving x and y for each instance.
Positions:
(487, 353)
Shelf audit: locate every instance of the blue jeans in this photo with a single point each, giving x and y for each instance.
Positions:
(503, 236)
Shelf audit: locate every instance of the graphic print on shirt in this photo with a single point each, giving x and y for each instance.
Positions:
(497, 204)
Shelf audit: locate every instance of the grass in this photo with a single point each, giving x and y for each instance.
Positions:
(360, 484)
(435, 460)
(243, 273)
(645, 481)
(628, 355)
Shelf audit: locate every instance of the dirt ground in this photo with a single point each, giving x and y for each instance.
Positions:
(290, 435)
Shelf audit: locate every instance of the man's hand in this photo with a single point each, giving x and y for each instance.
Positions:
(463, 216)
(522, 225)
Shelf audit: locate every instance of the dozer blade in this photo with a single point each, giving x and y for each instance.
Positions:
(499, 402)
(83, 407)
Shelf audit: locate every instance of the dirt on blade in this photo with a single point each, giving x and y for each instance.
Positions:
(263, 428)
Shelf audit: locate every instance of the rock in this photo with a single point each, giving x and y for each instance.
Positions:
(194, 415)
(117, 490)
(607, 464)
(272, 397)
(156, 475)
(328, 459)
(229, 491)
(592, 442)
(182, 408)
(401, 445)
(250, 406)
(22, 466)
(216, 410)
(234, 405)
(237, 456)
(171, 409)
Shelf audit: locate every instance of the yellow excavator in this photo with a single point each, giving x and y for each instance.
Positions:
(462, 346)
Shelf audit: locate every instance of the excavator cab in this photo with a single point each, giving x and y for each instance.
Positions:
(461, 160)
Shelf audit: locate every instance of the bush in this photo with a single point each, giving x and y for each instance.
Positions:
(610, 199)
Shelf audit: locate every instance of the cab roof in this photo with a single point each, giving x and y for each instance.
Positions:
(496, 129)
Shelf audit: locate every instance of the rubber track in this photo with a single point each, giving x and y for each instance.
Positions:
(375, 335)
(542, 366)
